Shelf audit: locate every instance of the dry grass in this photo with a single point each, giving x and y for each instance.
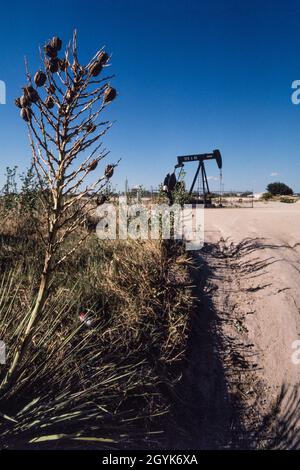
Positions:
(104, 385)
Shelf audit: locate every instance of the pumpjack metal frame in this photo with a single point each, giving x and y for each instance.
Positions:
(201, 158)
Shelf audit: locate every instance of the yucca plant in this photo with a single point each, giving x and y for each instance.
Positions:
(74, 384)
(103, 360)
(65, 131)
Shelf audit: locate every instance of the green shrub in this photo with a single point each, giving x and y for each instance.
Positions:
(266, 196)
(287, 200)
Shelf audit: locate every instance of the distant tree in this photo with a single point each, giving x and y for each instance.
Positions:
(266, 196)
(279, 189)
(10, 186)
(9, 190)
(30, 189)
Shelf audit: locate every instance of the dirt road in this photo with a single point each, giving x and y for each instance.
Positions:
(255, 291)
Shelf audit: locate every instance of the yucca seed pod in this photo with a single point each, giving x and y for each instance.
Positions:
(109, 171)
(51, 89)
(52, 65)
(95, 69)
(91, 127)
(40, 78)
(93, 165)
(18, 102)
(31, 94)
(26, 114)
(25, 101)
(56, 43)
(50, 51)
(109, 94)
(103, 57)
(49, 102)
(101, 199)
(97, 66)
(77, 85)
(63, 64)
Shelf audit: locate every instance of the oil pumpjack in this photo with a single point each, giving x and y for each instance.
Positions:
(171, 181)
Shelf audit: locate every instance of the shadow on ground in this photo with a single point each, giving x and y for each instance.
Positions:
(206, 414)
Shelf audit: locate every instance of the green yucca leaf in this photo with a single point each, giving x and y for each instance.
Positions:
(81, 384)
(29, 405)
(55, 437)
(94, 439)
(9, 418)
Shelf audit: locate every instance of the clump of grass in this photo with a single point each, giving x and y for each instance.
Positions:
(287, 200)
(105, 383)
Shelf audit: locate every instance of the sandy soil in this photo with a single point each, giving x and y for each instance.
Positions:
(255, 280)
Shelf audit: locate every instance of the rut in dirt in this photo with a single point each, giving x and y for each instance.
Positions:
(207, 415)
(223, 399)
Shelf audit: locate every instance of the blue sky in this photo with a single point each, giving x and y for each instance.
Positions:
(191, 75)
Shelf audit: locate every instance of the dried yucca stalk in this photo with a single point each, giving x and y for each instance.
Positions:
(65, 132)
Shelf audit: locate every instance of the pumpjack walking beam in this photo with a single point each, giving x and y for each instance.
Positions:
(170, 180)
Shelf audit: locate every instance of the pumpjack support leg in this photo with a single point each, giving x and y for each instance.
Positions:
(195, 177)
